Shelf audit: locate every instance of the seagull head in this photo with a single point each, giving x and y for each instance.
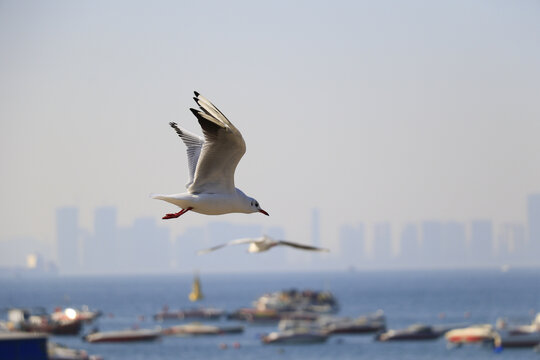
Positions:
(255, 207)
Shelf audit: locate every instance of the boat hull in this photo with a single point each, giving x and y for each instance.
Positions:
(122, 336)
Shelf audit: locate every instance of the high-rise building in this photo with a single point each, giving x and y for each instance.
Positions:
(100, 248)
(409, 249)
(352, 245)
(481, 244)
(432, 242)
(511, 245)
(67, 240)
(454, 244)
(382, 243)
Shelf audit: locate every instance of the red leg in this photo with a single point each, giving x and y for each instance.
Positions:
(175, 215)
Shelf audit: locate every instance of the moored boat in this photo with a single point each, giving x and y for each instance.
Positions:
(40, 322)
(201, 329)
(60, 352)
(413, 332)
(123, 336)
(321, 302)
(201, 313)
(471, 334)
(297, 336)
(507, 339)
(370, 323)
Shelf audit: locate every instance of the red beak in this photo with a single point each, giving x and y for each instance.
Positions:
(264, 212)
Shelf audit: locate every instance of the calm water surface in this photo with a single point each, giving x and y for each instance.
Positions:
(406, 298)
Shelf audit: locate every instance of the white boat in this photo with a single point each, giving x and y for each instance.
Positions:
(339, 325)
(518, 335)
(321, 302)
(60, 352)
(506, 339)
(297, 336)
(123, 336)
(471, 334)
(201, 329)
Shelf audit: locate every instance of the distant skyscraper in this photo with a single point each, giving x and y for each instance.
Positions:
(481, 244)
(432, 242)
(533, 222)
(409, 249)
(100, 249)
(454, 244)
(351, 243)
(67, 241)
(511, 244)
(382, 243)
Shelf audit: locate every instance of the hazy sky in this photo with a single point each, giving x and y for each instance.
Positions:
(368, 110)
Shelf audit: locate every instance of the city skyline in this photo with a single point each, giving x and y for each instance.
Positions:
(375, 111)
(147, 246)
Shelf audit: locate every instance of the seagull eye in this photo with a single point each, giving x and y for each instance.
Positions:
(257, 204)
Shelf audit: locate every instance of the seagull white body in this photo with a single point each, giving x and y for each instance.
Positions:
(212, 161)
(261, 244)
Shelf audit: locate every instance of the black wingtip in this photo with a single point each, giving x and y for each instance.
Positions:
(173, 124)
(194, 111)
(196, 93)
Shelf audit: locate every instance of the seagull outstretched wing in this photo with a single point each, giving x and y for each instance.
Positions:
(222, 150)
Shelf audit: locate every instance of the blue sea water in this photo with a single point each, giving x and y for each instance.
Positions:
(406, 297)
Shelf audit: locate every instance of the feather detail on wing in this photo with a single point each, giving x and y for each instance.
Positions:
(194, 145)
(222, 150)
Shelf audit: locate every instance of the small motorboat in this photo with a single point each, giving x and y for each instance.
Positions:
(255, 316)
(413, 332)
(123, 336)
(509, 335)
(200, 329)
(298, 300)
(37, 320)
(518, 335)
(60, 352)
(296, 336)
(471, 334)
(85, 314)
(201, 313)
(513, 338)
(370, 323)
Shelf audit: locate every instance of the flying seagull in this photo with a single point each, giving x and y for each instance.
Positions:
(261, 244)
(211, 161)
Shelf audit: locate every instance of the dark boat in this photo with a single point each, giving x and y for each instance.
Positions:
(191, 314)
(414, 332)
(44, 325)
(39, 321)
(200, 329)
(371, 323)
(298, 336)
(123, 336)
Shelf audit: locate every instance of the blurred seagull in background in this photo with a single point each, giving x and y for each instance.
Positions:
(261, 244)
(212, 161)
